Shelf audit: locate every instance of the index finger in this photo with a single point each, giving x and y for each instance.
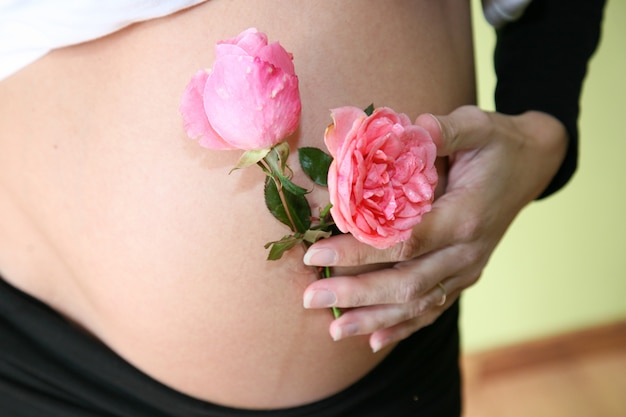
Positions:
(435, 231)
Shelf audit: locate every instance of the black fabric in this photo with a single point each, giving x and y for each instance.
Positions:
(541, 62)
(49, 368)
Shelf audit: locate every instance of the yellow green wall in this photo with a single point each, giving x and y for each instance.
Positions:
(562, 265)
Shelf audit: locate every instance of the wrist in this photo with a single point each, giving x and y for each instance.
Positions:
(546, 138)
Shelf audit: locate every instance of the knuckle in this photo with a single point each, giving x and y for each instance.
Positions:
(360, 257)
(409, 292)
(408, 249)
(476, 115)
(418, 309)
(365, 293)
(428, 304)
(358, 299)
(380, 323)
(472, 255)
(469, 229)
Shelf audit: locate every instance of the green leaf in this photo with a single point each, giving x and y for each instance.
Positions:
(291, 187)
(298, 216)
(273, 202)
(315, 163)
(300, 211)
(276, 161)
(277, 157)
(278, 248)
(250, 158)
(369, 109)
(282, 152)
(313, 236)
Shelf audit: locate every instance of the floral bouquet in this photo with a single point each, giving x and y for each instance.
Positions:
(380, 172)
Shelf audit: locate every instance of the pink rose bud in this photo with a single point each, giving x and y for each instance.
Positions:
(249, 100)
(382, 179)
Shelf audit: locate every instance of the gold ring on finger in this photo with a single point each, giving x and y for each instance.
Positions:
(444, 294)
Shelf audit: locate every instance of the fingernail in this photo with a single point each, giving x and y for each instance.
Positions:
(320, 257)
(319, 299)
(377, 345)
(347, 330)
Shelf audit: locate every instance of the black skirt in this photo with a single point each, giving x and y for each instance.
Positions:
(49, 368)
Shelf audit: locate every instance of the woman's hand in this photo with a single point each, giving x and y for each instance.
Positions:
(497, 165)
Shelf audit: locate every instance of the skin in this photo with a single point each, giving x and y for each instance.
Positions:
(137, 235)
(497, 165)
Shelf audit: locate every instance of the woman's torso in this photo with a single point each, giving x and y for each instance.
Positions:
(109, 214)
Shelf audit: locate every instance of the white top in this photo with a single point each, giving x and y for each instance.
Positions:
(500, 12)
(29, 29)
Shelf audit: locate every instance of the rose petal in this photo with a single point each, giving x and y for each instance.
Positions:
(345, 121)
(250, 40)
(250, 103)
(195, 120)
(278, 56)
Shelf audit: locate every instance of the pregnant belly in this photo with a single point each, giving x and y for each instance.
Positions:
(143, 238)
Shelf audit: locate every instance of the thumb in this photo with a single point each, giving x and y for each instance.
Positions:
(467, 127)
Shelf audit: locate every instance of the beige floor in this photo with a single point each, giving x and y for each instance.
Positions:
(575, 375)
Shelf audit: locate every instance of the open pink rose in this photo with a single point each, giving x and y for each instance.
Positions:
(250, 99)
(382, 178)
